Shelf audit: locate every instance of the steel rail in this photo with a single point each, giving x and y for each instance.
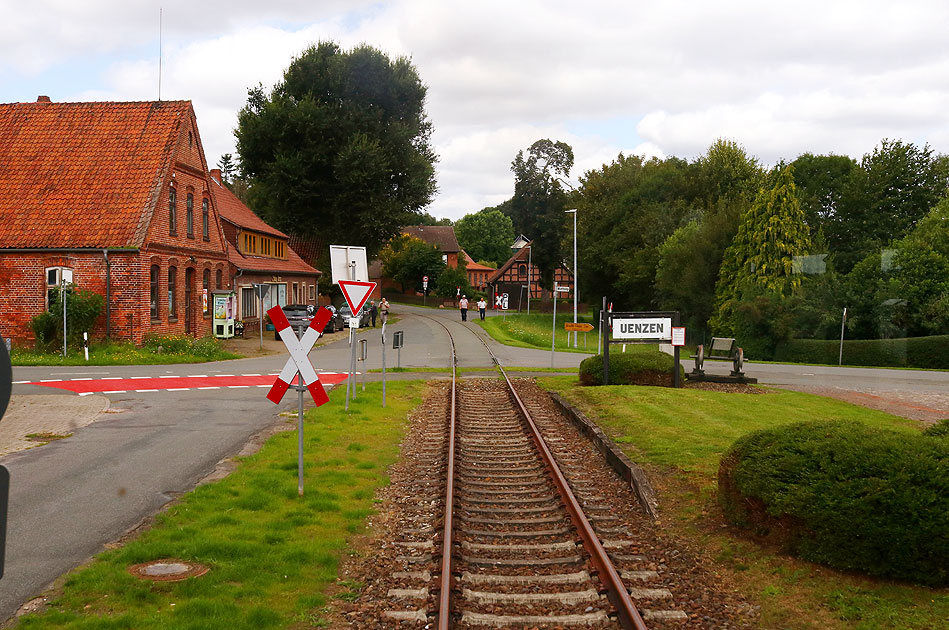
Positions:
(444, 596)
(628, 615)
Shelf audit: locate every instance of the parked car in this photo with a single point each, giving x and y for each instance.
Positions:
(299, 316)
(364, 317)
(336, 322)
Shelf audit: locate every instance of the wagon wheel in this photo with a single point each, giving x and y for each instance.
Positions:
(699, 357)
(739, 360)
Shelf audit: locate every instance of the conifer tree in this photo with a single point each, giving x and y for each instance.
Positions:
(761, 257)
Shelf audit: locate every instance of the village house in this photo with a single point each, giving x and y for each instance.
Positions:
(518, 273)
(260, 254)
(116, 198)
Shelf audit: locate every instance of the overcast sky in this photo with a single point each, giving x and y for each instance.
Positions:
(655, 78)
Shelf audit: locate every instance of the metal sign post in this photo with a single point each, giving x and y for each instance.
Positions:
(298, 365)
(383, 364)
(553, 329)
(6, 389)
(397, 342)
(363, 355)
(261, 290)
(424, 290)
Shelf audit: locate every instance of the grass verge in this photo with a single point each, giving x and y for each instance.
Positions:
(157, 351)
(272, 554)
(533, 331)
(679, 436)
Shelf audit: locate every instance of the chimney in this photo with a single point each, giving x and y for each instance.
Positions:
(216, 175)
(42, 99)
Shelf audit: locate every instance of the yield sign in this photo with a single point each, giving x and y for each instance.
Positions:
(298, 361)
(356, 294)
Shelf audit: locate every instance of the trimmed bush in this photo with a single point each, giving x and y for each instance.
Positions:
(919, 352)
(845, 495)
(642, 367)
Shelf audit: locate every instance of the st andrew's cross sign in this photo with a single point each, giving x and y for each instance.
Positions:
(298, 361)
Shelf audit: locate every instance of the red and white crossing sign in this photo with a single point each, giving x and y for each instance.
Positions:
(356, 294)
(298, 361)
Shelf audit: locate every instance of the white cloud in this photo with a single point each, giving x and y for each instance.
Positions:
(818, 76)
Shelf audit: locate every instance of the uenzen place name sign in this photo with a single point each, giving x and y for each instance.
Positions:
(656, 328)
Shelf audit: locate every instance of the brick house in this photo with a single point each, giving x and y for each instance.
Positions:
(519, 272)
(477, 274)
(117, 197)
(260, 254)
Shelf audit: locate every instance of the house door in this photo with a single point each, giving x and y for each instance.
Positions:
(189, 306)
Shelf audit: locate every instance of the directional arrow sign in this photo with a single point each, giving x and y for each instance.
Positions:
(356, 294)
(298, 361)
(579, 326)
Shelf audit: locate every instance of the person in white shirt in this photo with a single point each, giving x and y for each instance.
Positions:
(463, 305)
(481, 306)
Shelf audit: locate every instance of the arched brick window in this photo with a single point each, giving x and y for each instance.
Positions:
(219, 280)
(205, 228)
(172, 211)
(153, 291)
(172, 290)
(206, 285)
(189, 215)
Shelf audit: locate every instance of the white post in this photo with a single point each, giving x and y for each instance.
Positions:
(529, 274)
(575, 332)
(553, 329)
(62, 296)
(85, 345)
(840, 358)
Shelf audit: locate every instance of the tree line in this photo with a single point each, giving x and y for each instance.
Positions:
(340, 148)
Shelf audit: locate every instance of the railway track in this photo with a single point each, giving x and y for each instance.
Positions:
(505, 525)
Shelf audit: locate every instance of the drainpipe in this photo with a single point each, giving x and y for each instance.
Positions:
(108, 295)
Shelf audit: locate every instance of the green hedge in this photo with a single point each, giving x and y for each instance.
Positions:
(919, 352)
(845, 495)
(642, 367)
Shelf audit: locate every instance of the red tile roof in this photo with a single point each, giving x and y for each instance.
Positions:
(441, 235)
(83, 174)
(233, 209)
(473, 266)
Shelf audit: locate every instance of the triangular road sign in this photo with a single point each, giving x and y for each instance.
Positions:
(356, 293)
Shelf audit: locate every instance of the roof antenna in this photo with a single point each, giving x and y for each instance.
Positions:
(159, 53)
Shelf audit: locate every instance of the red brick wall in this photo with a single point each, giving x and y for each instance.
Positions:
(23, 292)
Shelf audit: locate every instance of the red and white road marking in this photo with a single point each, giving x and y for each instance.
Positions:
(144, 384)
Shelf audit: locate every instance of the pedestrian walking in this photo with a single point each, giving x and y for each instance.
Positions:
(384, 309)
(482, 304)
(373, 311)
(463, 305)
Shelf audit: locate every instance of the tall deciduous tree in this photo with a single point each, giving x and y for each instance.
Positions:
(486, 235)
(896, 185)
(772, 232)
(407, 260)
(537, 208)
(339, 147)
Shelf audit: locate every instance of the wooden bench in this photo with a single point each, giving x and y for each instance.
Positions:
(721, 349)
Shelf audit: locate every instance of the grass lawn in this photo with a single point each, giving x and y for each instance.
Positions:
(533, 331)
(679, 436)
(272, 555)
(157, 351)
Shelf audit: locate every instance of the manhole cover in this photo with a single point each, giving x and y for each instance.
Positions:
(167, 570)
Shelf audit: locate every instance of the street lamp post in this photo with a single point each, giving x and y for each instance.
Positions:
(575, 285)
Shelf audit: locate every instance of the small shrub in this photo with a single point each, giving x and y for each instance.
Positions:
(845, 495)
(82, 309)
(940, 429)
(651, 367)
